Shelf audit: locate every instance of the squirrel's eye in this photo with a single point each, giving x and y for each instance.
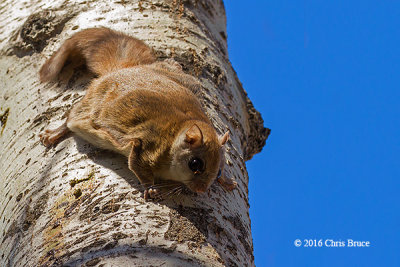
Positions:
(219, 174)
(196, 165)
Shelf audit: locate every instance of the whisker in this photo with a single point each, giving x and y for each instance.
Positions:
(179, 191)
(169, 192)
(160, 184)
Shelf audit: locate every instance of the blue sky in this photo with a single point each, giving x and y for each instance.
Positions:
(325, 76)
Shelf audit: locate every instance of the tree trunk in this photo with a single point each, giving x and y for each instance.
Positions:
(78, 205)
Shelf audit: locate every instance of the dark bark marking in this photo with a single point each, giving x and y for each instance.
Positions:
(37, 30)
(32, 214)
(188, 224)
(3, 120)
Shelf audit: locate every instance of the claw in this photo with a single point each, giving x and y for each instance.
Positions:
(152, 194)
(227, 184)
(51, 137)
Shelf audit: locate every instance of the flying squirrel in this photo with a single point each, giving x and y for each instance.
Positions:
(143, 109)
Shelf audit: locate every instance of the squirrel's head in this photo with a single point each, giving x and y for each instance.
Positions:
(197, 156)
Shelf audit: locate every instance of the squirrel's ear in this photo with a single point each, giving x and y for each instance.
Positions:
(194, 136)
(223, 138)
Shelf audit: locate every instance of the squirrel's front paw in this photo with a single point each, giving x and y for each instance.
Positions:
(227, 184)
(152, 194)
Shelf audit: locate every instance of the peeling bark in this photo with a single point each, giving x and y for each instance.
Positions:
(78, 205)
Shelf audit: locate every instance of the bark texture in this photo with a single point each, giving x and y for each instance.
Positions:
(78, 205)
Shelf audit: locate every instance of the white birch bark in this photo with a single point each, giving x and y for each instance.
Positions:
(78, 205)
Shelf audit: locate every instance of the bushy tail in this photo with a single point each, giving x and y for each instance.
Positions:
(103, 49)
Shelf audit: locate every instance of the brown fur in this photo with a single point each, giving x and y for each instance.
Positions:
(103, 49)
(145, 110)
